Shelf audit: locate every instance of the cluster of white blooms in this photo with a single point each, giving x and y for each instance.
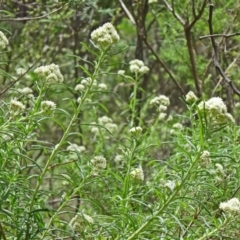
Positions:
(16, 106)
(79, 87)
(3, 41)
(98, 163)
(80, 221)
(102, 86)
(176, 126)
(121, 72)
(232, 206)
(20, 71)
(107, 123)
(161, 102)
(152, 1)
(75, 148)
(135, 130)
(216, 110)
(25, 90)
(137, 174)
(170, 184)
(50, 72)
(191, 97)
(220, 169)
(137, 66)
(205, 159)
(119, 160)
(48, 106)
(105, 35)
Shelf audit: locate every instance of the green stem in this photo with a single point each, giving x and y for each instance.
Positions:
(58, 146)
(159, 211)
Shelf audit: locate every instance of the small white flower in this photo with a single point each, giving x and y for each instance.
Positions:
(134, 68)
(79, 87)
(121, 72)
(3, 41)
(119, 160)
(135, 130)
(162, 108)
(104, 120)
(86, 81)
(137, 62)
(178, 126)
(137, 174)
(152, 1)
(50, 72)
(105, 36)
(220, 168)
(143, 69)
(112, 127)
(16, 106)
(191, 97)
(102, 86)
(162, 116)
(99, 163)
(231, 206)
(76, 148)
(25, 90)
(48, 106)
(205, 158)
(20, 71)
(170, 184)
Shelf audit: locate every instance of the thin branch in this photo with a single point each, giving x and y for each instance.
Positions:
(11, 84)
(172, 10)
(215, 50)
(127, 12)
(200, 13)
(220, 35)
(31, 18)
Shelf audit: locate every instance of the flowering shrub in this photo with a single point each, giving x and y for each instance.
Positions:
(84, 157)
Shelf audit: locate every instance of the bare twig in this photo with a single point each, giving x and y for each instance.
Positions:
(11, 84)
(171, 9)
(220, 35)
(127, 12)
(215, 50)
(31, 18)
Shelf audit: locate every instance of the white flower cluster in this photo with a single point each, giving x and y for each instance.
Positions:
(119, 160)
(48, 106)
(3, 41)
(50, 72)
(105, 35)
(135, 130)
(176, 126)
(98, 163)
(137, 66)
(161, 102)
(232, 206)
(20, 71)
(205, 159)
(75, 148)
(80, 221)
(137, 174)
(16, 106)
(25, 90)
(216, 110)
(152, 1)
(105, 122)
(191, 97)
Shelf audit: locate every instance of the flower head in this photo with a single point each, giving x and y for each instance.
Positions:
(231, 206)
(137, 66)
(191, 97)
(3, 41)
(137, 174)
(48, 106)
(105, 35)
(99, 163)
(51, 73)
(135, 130)
(16, 106)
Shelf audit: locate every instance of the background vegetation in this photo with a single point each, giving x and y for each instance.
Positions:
(157, 182)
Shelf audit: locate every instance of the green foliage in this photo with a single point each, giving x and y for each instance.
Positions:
(97, 145)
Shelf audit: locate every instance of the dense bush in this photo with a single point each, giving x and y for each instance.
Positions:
(114, 123)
